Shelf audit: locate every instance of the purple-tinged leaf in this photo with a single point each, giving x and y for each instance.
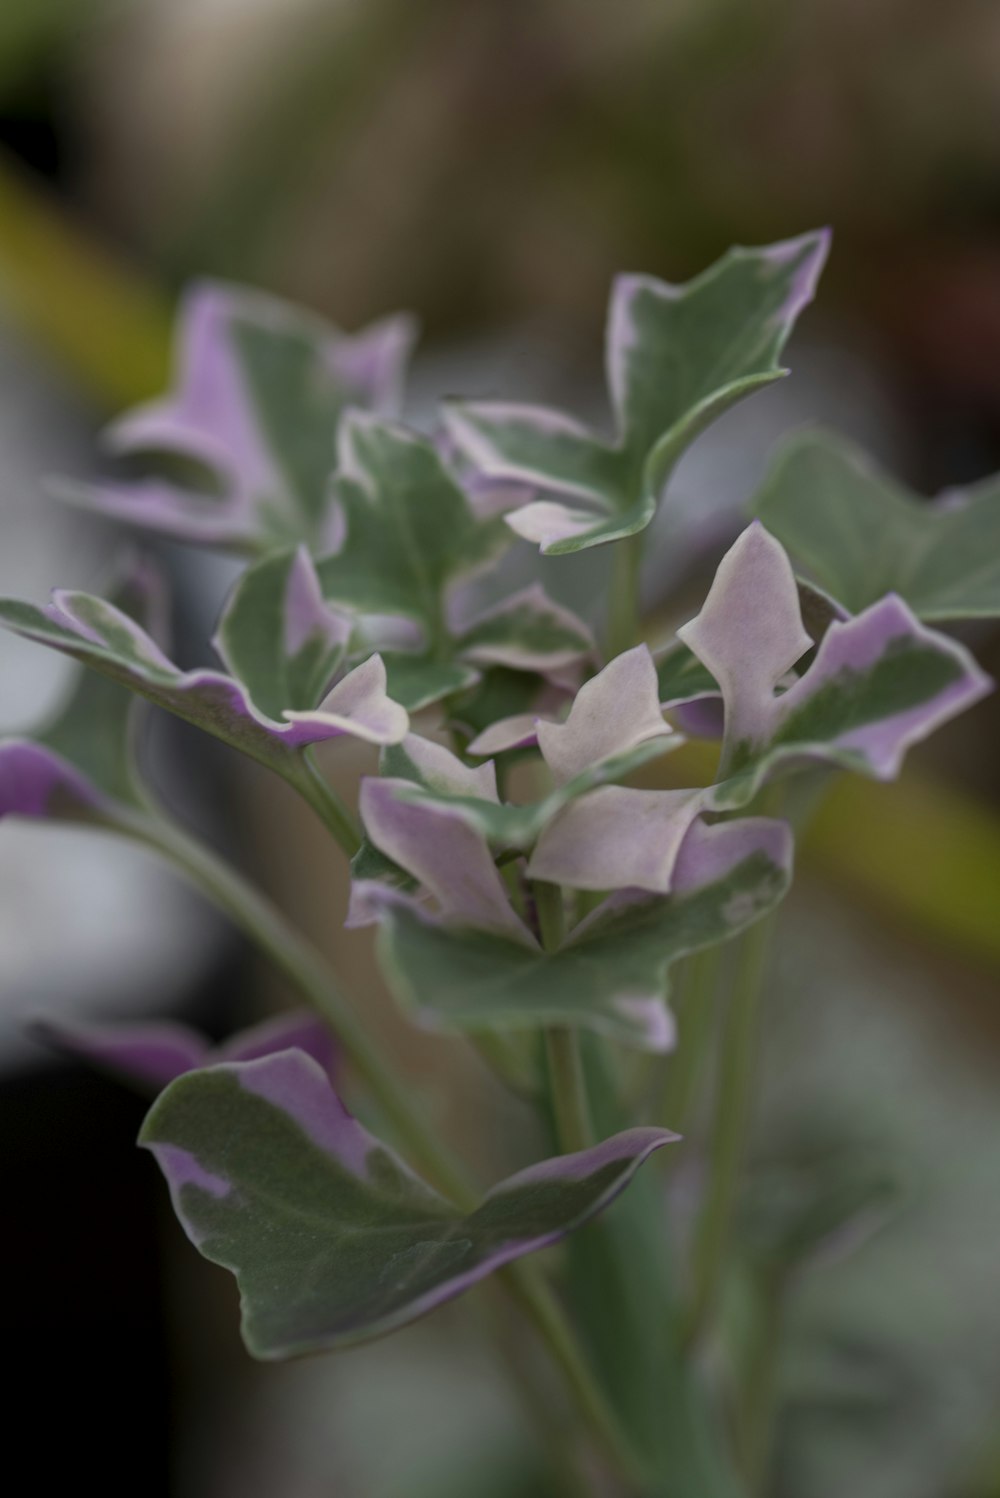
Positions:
(445, 853)
(534, 446)
(152, 1054)
(611, 973)
(332, 1239)
(279, 636)
(689, 694)
(616, 838)
(37, 783)
(879, 682)
(99, 635)
(506, 826)
(410, 537)
(612, 713)
(615, 711)
(677, 357)
(520, 731)
(749, 633)
(358, 705)
(79, 765)
(259, 389)
(435, 767)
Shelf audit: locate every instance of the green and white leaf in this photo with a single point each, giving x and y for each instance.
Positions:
(677, 358)
(332, 1239)
(612, 973)
(410, 532)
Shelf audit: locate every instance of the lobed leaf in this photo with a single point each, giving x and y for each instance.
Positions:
(879, 682)
(611, 974)
(101, 636)
(505, 825)
(278, 635)
(410, 533)
(240, 452)
(861, 535)
(677, 357)
(332, 1239)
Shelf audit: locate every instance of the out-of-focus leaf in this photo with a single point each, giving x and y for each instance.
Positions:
(331, 1237)
(861, 534)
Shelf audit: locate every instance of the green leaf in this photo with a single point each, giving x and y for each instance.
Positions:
(331, 1237)
(677, 358)
(101, 636)
(611, 974)
(410, 536)
(860, 534)
(298, 398)
(410, 531)
(680, 675)
(416, 681)
(278, 637)
(527, 632)
(81, 764)
(501, 693)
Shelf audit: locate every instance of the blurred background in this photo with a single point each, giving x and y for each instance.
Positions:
(491, 164)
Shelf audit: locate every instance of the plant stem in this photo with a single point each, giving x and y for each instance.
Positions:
(567, 1085)
(623, 601)
(538, 1301)
(568, 1090)
(696, 1012)
(737, 1064)
(314, 788)
(265, 925)
(551, 913)
(759, 1381)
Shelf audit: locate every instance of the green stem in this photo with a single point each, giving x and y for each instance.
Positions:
(567, 1085)
(696, 1011)
(568, 1090)
(538, 1301)
(314, 789)
(624, 629)
(265, 925)
(734, 1088)
(759, 1386)
(556, 1436)
(551, 913)
(508, 1063)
